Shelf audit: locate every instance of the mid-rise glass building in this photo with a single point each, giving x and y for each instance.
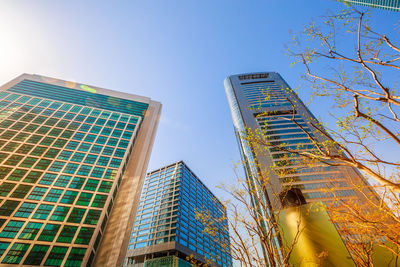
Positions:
(72, 157)
(262, 102)
(166, 230)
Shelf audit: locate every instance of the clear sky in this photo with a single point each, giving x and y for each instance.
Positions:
(176, 52)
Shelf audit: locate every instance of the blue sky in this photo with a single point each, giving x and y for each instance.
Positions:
(176, 52)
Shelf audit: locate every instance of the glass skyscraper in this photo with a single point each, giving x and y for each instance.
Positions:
(72, 159)
(166, 230)
(260, 102)
(393, 5)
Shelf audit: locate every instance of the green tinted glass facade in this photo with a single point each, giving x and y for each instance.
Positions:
(62, 154)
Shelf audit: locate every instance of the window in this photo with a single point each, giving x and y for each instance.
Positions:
(120, 125)
(34, 139)
(4, 171)
(95, 129)
(43, 130)
(8, 207)
(53, 195)
(115, 163)
(43, 212)
(99, 201)
(112, 142)
(48, 178)
(36, 255)
(73, 125)
(69, 197)
(75, 257)
(127, 135)
(11, 229)
(101, 140)
(67, 134)
(56, 256)
(117, 133)
(67, 234)
(76, 215)
(100, 121)
(21, 137)
(49, 232)
(106, 131)
(60, 213)
(60, 143)
(110, 174)
(43, 164)
(123, 144)
(57, 166)
(90, 120)
(13, 160)
(37, 193)
(65, 155)
(111, 123)
(11, 146)
(47, 141)
(62, 124)
(52, 153)
(105, 186)
(24, 149)
(108, 151)
(21, 191)
(77, 183)
(78, 136)
(25, 210)
(5, 188)
(90, 159)
(84, 170)
(17, 175)
(33, 177)
(72, 145)
(84, 199)
(91, 185)
(90, 138)
(84, 147)
(97, 172)
(84, 236)
(71, 168)
(63, 181)
(92, 217)
(38, 151)
(3, 247)
(16, 253)
(103, 161)
(85, 127)
(30, 231)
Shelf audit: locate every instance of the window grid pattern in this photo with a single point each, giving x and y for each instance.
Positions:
(281, 131)
(264, 95)
(167, 213)
(50, 163)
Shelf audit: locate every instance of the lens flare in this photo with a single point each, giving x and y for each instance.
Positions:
(88, 88)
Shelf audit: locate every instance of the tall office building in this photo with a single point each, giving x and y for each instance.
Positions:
(166, 230)
(72, 161)
(261, 102)
(393, 5)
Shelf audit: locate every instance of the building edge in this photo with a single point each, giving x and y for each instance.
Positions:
(115, 241)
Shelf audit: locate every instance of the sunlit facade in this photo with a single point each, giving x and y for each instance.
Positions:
(68, 153)
(166, 230)
(393, 5)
